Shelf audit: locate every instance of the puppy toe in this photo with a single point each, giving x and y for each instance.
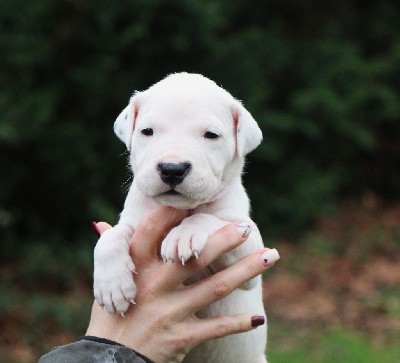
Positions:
(184, 248)
(130, 265)
(199, 240)
(129, 291)
(168, 249)
(108, 303)
(120, 303)
(98, 295)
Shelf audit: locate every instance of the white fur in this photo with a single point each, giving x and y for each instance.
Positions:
(181, 109)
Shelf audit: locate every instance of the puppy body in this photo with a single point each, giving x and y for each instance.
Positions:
(187, 139)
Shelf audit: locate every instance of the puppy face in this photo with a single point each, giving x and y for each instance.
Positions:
(187, 138)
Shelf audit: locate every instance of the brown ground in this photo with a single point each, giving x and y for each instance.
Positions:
(346, 272)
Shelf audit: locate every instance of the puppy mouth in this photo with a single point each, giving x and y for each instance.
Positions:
(172, 192)
(181, 199)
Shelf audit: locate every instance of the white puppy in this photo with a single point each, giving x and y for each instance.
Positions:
(187, 139)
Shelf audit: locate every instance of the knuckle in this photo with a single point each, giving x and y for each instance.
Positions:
(147, 224)
(251, 269)
(182, 340)
(220, 288)
(202, 261)
(222, 330)
(230, 325)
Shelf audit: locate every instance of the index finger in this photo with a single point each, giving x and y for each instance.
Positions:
(151, 231)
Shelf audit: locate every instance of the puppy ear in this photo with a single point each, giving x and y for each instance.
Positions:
(125, 122)
(247, 133)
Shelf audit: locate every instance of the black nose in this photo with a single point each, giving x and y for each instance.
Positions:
(173, 173)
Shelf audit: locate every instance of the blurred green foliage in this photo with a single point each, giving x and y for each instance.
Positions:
(322, 78)
(326, 345)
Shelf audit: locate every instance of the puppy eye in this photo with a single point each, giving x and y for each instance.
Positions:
(211, 135)
(147, 131)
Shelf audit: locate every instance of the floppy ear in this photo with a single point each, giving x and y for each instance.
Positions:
(125, 122)
(247, 133)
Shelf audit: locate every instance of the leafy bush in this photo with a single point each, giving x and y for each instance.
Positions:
(321, 78)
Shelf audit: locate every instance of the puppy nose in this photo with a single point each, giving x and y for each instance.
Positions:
(173, 173)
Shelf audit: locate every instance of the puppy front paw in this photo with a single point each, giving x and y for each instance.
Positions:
(114, 287)
(189, 238)
(183, 242)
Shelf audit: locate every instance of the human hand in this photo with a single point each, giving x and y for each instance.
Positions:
(162, 325)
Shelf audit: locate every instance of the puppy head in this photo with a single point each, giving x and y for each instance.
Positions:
(187, 139)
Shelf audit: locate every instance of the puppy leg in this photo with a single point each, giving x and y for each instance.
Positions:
(113, 285)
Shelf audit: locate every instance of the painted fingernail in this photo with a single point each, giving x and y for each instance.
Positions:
(95, 229)
(244, 229)
(257, 321)
(270, 256)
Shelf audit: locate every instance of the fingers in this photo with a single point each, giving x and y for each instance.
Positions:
(212, 328)
(224, 282)
(152, 230)
(224, 240)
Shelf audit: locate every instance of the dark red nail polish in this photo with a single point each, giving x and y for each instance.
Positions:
(95, 229)
(257, 321)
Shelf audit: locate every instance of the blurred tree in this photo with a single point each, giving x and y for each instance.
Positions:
(322, 79)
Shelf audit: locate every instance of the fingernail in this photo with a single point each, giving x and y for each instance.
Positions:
(257, 321)
(244, 229)
(95, 229)
(270, 256)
